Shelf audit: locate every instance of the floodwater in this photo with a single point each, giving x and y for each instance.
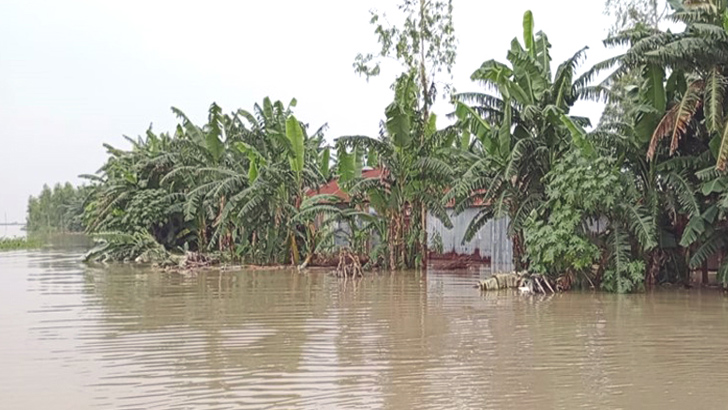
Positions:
(76, 337)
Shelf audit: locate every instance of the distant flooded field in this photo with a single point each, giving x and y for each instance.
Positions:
(77, 337)
(11, 231)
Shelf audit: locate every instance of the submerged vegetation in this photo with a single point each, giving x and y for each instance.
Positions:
(614, 207)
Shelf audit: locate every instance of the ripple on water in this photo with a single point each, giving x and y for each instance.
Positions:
(123, 337)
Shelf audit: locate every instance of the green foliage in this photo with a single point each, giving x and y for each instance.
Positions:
(146, 209)
(681, 98)
(237, 185)
(411, 152)
(557, 246)
(57, 210)
(626, 279)
(561, 238)
(424, 42)
(630, 13)
(521, 127)
(14, 244)
(139, 247)
(591, 185)
(413, 160)
(296, 138)
(578, 190)
(244, 184)
(437, 245)
(697, 54)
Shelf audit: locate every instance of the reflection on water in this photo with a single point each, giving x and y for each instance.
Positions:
(73, 337)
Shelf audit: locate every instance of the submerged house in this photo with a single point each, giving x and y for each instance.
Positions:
(342, 228)
(491, 243)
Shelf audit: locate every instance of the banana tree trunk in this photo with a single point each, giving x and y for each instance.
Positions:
(423, 70)
(390, 246)
(221, 241)
(424, 238)
(653, 269)
(393, 240)
(518, 252)
(295, 256)
(402, 242)
(202, 226)
(311, 246)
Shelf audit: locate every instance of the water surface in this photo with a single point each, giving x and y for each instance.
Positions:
(75, 337)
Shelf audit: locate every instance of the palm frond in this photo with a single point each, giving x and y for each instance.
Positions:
(478, 222)
(715, 89)
(709, 247)
(642, 224)
(685, 193)
(675, 123)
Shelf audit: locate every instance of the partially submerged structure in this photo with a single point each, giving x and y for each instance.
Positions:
(491, 244)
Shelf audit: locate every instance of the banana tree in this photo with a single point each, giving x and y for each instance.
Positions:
(414, 174)
(699, 64)
(520, 130)
(283, 164)
(681, 99)
(236, 184)
(127, 195)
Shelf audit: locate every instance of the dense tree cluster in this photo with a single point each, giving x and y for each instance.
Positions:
(57, 210)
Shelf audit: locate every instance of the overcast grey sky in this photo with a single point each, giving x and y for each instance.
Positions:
(77, 73)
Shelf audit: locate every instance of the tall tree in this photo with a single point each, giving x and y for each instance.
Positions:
(413, 175)
(680, 97)
(698, 61)
(640, 17)
(425, 46)
(628, 14)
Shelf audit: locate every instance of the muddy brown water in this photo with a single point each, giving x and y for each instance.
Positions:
(77, 337)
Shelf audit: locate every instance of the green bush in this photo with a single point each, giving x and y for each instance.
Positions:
(558, 236)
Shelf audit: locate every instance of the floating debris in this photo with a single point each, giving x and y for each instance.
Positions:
(190, 261)
(525, 282)
(196, 260)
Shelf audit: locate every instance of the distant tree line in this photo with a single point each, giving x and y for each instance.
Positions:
(59, 209)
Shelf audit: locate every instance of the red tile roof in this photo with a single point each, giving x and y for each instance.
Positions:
(332, 188)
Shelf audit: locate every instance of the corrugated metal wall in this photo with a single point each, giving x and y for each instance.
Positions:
(492, 240)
